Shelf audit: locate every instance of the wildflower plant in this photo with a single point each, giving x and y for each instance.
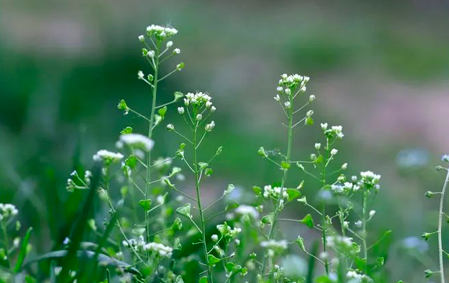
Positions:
(441, 216)
(154, 229)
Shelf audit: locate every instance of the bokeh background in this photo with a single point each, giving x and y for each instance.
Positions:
(379, 68)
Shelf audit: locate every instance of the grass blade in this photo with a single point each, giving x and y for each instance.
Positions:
(23, 250)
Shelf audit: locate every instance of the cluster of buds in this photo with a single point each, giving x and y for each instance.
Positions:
(198, 100)
(107, 157)
(159, 32)
(7, 211)
(289, 84)
(334, 131)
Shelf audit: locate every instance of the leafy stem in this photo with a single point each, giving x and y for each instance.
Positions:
(284, 178)
(440, 223)
(150, 134)
(196, 170)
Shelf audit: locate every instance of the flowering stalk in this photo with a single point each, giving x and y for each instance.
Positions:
(150, 134)
(198, 198)
(277, 209)
(440, 223)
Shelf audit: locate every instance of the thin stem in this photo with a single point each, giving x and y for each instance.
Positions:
(6, 242)
(150, 135)
(323, 219)
(284, 180)
(440, 223)
(200, 209)
(364, 220)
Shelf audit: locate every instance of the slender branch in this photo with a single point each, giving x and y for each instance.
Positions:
(440, 224)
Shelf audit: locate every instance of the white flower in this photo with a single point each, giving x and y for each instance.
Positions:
(274, 192)
(445, 158)
(170, 127)
(214, 237)
(209, 127)
(287, 91)
(323, 126)
(176, 51)
(334, 151)
(107, 156)
(279, 89)
(277, 97)
(369, 178)
(198, 99)
(344, 166)
(212, 109)
(160, 249)
(309, 113)
(273, 244)
(247, 210)
(312, 98)
(372, 213)
(199, 117)
(358, 223)
(141, 38)
(137, 140)
(161, 32)
(7, 211)
(169, 44)
(287, 104)
(317, 146)
(140, 75)
(151, 54)
(181, 110)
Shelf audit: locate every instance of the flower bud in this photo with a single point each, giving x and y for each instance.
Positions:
(176, 51)
(199, 117)
(169, 44)
(312, 98)
(141, 38)
(170, 127)
(181, 110)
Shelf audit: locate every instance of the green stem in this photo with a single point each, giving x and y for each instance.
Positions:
(323, 212)
(364, 236)
(284, 179)
(6, 242)
(200, 208)
(440, 224)
(150, 134)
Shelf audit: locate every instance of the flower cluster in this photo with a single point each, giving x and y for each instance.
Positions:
(274, 247)
(247, 210)
(7, 211)
(270, 192)
(288, 84)
(198, 99)
(107, 157)
(160, 32)
(159, 249)
(334, 131)
(355, 277)
(369, 180)
(136, 141)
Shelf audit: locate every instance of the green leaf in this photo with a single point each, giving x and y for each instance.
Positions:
(308, 220)
(203, 279)
(268, 219)
(208, 172)
(145, 203)
(257, 190)
(213, 260)
(131, 161)
(185, 210)
(127, 130)
(122, 105)
(285, 165)
(23, 250)
(162, 111)
(300, 242)
(309, 121)
(178, 95)
(228, 190)
(292, 194)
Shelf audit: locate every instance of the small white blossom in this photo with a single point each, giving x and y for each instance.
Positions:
(181, 110)
(324, 126)
(176, 51)
(209, 127)
(159, 249)
(199, 117)
(317, 146)
(169, 44)
(277, 97)
(372, 213)
(312, 98)
(287, 104)
(344, 166)
(247, 210)
(309, 113)
(170, 127)
(107, 156)
(138, 141)
(214, 237)
(358, 223)
(140, 75)
(334, 151)
(141, 38)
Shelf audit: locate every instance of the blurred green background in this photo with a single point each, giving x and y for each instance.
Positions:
(379, 68)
